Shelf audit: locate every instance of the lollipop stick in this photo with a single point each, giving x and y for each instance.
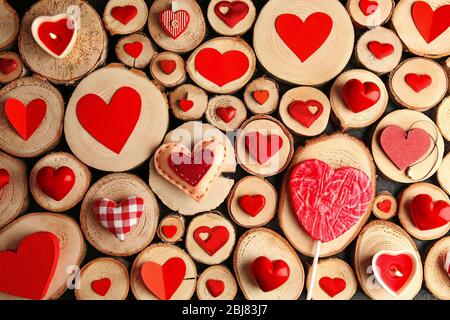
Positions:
(314, 269)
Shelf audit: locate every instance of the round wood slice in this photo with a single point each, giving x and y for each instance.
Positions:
(383, 235)
(9, 25)
(224, 23)
(216, 273)
(160, 253)
(437, 279)
(404, 212)
(88, 53)
(192, 93)
(305, 95)
(71, 244)
(189, 134)
(264, 125)
(346, 117)
(338, 150)
(116, 26)
(210, 220)
(443, 174)
(190, 38)
(324, 64)
(426, 98)
(333, 268)
(214, 116)
(370, 18)
(424, 168)
(255, 243)
(17, 68)
(173, 79)
(117, 187)
(99, 269)
(251, 186)
(447, 68)
(169, 222)
(261, 95)
(443, 118)
(146, 136)
(49, 132)
(127, 53)
(14, 195)
(384, 206)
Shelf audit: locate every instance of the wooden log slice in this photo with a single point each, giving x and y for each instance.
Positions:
(71, 244)
(338, 150)
(9, 25)
(437, 279)
(189, 93)
(117, 187)
(231, 18)
(171, 228)
(48, 132)
(383, 235)
(443, 174)
(384, 206)
(370, 14)
(211, 278)
(11, 67)
(310, 65)
(255, 243)
(135, 50)
(261, 95)
(443, 118)
(171, 77)
(226, 112)
(103, 269)
(125, 16)
(447, 68)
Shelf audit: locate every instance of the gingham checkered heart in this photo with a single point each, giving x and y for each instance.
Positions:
(119, 219)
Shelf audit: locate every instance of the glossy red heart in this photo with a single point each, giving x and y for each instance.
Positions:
(186, 105)
(134, 49)
(231, 12)
(418, 82)
(101, 286)
(360, 96)
(261, 96)
(427, 214)
(269, 274)
(124, 14)
(25, 119)
(380, 50)
(211, 239)
(226, 114)
(174, 23)
(305, 112)
(430, 24)
(385, 205)
(167, 66)
(7, 65)
(332, 286)
(55, 183)
(191, 167)
(4, 178)
(215, 287)
(169, 230)
(368, 7)
(262, 147)
(393, 270)
(56, 36)
(252, 205)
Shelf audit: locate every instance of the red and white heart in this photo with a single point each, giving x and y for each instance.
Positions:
(261, 96)
(226, 114)
(427, 214)
(186, 104)
(385, 205)
(252, 205)
(270, 274)
(447, 262)
(4, 178)
(368, 7)
(262, 147)
(174, 23)
(55, 183)
(101, 286)
(332, 286)
(380, 50)
(134, 49)
(124, 14)
(215, 287)
(25, 119)
(211, 239)
(231, 13)
(305, 112)
(418, 82)
(359, 96)
(430, 23)
(7, 65)
(169, 231)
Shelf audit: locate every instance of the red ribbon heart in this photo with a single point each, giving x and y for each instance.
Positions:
(384, 205)
(215, 287)
(217, 237)
(252, 205)
(234, 12)
(426, 214)
(368, 7)
(262, 147)
(174, 23)
(169, 230)
(124, 14)
(101, 286)
(380, 50)
(25, 119)
(303, 113)
(55, 183)
(134, 49)
(226, 113)
(332, 286)
(270, 274)
(430, 24)
(7, 65)
(360, 96)
(167, 66)
(4, 178)
(418, 82)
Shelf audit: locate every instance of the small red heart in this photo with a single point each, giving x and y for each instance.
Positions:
(186, 105)
(4, 178)
(385, 205)
(174, 23)
(191, 167)
(360, 96)
(252, 205)
(261, 96)
(426, 214)
(305, 112)
(430, 24)
(25, 119)
(124, 14)
(380, 50)
(217, 237)
(393, 270)
(134, 49)
(167, 66)
(226, 113)
(101, 286)
(262, 147)
(368, 7)
(169, 231)
(231, 12)
(215, 287)
(332, 286)
(56, 36)
(270, 274)
(55, 183)
(418, 82)
(7, 65)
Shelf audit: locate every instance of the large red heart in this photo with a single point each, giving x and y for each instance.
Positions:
(426, 214)
(55, 183)
(418, 82)
(56, 36)
(252, 205)
(112, 124)
(380, 50)
(360, 96)
(101, 286)
(270, 274)
(385, 205)
(231, 12)
(305, 112)
(215, 287)
(163, 280)
(134, 49)
(7, 65)
(404, 148)
(226, 114)
(28, 272)
(124, 14)
(215, 239)
(262, 147)
(25, 119)
(191, 167)
(328, 202)
(332, 286)
(4, 178)
(304, 38)
(430, 24)
(169, 230)
(221, 68)
(368, 7)
(174, 23)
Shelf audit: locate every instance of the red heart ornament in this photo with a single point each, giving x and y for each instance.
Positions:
(418, 82)
(261, 96)
(304, 38)
(124, 14)
(25, 119)
(305, 112)
(101, 286)
(226, 114)
(4, 178)
(191, 167)
(134, 49)
(167, 66)
(186, 105)
(384, 205)
(262, 147)
(427, 214)
(55, 183)
(430, 24)
(7, 65)
(368, 7)
(252, 205)
(231, 12)
(211, 239)
(360, 96)
(332, 286)
(169, 230)
(112, 124)
(174, 23)
(215, 287)
(28, 272)
(380, 50)
(270, 274)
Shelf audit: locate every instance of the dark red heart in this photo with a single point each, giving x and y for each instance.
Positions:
(270, 274)
(169, 230)
(380, 50)
(134, 49)
(384, 205)
(217, 238)
(56, 36)
(360, 96)
(305, 112)
(252, 205)
(55, 183)
(191, 168)
(7, 65)
(235, 12)
(368, 7)
(25, 119)
(332, 286)
(4, 178)
(186, 105)
(167, 66)
(418, 82)
(430, 24)
(427, 214)
(101, 286)
(215, 287)
(124, 14)
(262, 147)
(226, 113)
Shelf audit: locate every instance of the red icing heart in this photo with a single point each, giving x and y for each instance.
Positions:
(418, 82)
(262, 147)
(426, 214)
(112, 124)
(332, 286)
(270, 274)
(169, 230)
(134, 49)
(368, 7)
(304, 38)
(234, 12)
(186, 105)
(4, 178)
(167, 66)
(174, 23)
(191, 167)
(261, 96)
(217, 238)
(124, 14)
(215, 287)
(163, 281)
(55, 183)
(28, 272)
(221, 68)
(101, 286)
(226, 113)
(380, 50)
(404, 148)
(252, 205)
(393, 270)
(430, 24)
(305, 112)
(56, 36)
(360, 96)
(7, 65)
(328, 202)
(384, 205)
(25, 119)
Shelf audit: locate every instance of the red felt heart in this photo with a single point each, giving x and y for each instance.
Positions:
(221, 68)
(384, 205)
(252, 205)
(55, 183)
(124, 14)
(112, 124)
(261, 96)
(216, 238)
(430, 24)
(163, 281)
(360, 96)
(191, 167)
(270, 274)
(380, 50)
(134, 49)
(186, 105)
(101, 286)
(305, 112)
(28, 272)
(404, 148)
(56, 36)
(394, 270)
(174, 23)
(328, 202)
(226, 113)
(7, 65)
(231, 12)
(262, 147)
(215, 287)
(332, 286)
(426, 214)
(169, 230)
(418, 82)
(368, 7)
(304, 38)
(4, 178)
(167, 66)
(25, 119)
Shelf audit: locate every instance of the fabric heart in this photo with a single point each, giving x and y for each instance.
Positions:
(167, 66)
(231, 12)
(186, 105)
(426, 214)
(174, 23)
(261, 96)
(28, 272)
(332, 286)
(25, 119)
(124, 14)
(269, 274)
(215, 287)
(163, 281)
(328, 202)
(430, 24)
(7, 65)
(119, 219)
(134, 49)
(169, 231)
(380, 50)
(111, 125)
(252, 205)
(404, 148)
(4, 178)
(226, 114)
(211, 239)
(360, 96)
(221, 68)
(305, 112)
(385, 205)
(55, 183)
(418, 82)
(101, 286)
(368, 7)
(304, 38)
(262, 147)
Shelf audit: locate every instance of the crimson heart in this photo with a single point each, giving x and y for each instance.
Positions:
(393, 270)
(384, 205)
(360, 96)
(101, 286)
(368, 7)
(191, 168)
(28, 272)
(304, 38)
(380, 50)
(305, 112)
(186, 105)
(174, 23)
(169, 231)
(418, 82)
(167, 66)
(262, 147)
(270, 274)
(55, 183)
(134, 49)
(328, 202)
(231, 12)
(112, 124)
(252, 205)
(332, 286)
(226, 114)
(25, 119)
(7, 65)
(124, 14)
(4, 178)
(426, 214)
(215, 239)
(56, 36)
(221, 68)
(430, 24)
(261, 96)
(215, 287)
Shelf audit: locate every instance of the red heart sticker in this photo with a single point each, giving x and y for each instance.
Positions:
(7, 65)
(360, 96)
(191, 167)
(55, 183)
(211, 239)
(262, 147)
(427, 214)
(270, 275)
(368, 7)
(186, 105)
(226, 114)
(215, 287)
(174, 23)
(169, 231)
(25, 119)
(380, 50)
(4, 178)
(252, 205)
(261, 96)
(305, 112)
(384, 205)
(418, 82)
(332, 286)
(101, 286)
(231, 12)
(430, 24)
(167, 66)
(134, 49)
(124, 14)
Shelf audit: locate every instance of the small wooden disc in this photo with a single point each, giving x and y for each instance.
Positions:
(196, 250)
(117, 187)
(446, 65)
(192, 93)
(437, 279)
(221, 273)
(255, 243)
(48, 134)
(126, 50)
(346, 117)
(173, 79)
(229, 27)
(384, 206)
(404, 210)
(17, 72)
(103, 268)
(226, 101)
(443, 174)
(443, 118)
(256, 89)
(383, 235)
(9, 25)
(171, 221)
(305, 94)
(378, 17)
(160, 253)
(251, 186)
(116, 26)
